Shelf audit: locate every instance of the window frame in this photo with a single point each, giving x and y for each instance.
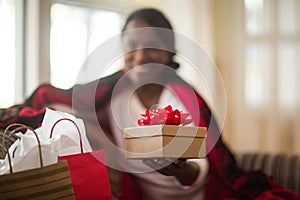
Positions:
(37, 35)
(271, 39)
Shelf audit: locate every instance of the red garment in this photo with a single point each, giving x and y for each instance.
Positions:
(225, 179)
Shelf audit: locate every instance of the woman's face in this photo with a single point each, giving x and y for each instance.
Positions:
(143, 51)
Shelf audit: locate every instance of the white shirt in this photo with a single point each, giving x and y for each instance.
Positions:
(125, 112)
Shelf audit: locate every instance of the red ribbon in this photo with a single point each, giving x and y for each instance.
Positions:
(164, 116)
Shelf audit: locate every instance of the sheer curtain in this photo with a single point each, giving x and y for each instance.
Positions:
(261, 73)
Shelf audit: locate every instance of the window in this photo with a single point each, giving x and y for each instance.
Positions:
(75, 32)
(272, 52)
(7, 52)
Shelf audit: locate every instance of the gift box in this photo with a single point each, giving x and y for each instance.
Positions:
(169, 141)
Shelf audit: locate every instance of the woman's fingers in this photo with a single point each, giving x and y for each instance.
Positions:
(166, 166)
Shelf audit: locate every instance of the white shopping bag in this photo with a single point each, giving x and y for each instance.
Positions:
(65, 134)
(25, 154)
(60, 134)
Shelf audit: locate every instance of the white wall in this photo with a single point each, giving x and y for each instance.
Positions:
(192, 18)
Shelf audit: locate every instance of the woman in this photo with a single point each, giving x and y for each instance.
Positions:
(149, 78)
(149, 65)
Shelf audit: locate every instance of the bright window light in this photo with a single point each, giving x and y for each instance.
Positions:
(75, 32)
(7, 52)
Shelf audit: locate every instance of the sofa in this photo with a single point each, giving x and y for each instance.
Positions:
(283, 168)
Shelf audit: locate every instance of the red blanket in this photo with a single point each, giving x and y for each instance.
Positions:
(225, 179)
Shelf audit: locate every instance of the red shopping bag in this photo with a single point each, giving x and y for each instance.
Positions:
(89, 175)
(88, 172)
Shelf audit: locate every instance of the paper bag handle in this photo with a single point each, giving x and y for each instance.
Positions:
(18, 128)
(67, 119)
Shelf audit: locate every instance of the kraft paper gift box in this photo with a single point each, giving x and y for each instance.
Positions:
(169, 141)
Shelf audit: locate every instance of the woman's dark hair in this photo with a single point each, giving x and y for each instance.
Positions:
(155, 18)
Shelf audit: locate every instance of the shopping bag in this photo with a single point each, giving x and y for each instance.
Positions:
(88, 171)
(46, 182)
(65, 139)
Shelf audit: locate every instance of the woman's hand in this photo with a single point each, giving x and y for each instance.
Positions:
(185, 172)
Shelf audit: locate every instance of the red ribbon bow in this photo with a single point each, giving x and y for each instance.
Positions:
(164, 116)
